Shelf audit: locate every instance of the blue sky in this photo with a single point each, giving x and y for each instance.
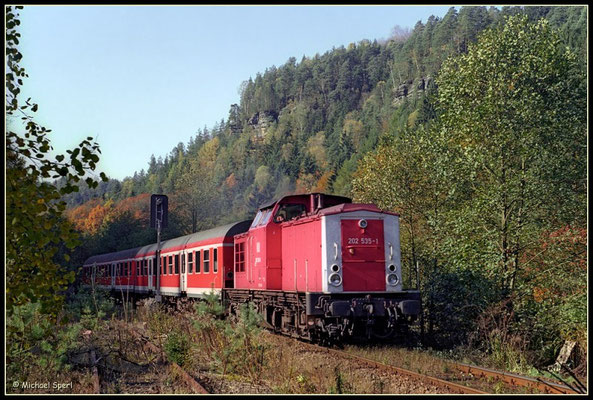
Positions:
(141, 79)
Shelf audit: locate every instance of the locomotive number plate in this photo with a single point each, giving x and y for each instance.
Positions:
(363, 240)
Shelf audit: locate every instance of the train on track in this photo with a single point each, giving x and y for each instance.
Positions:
(315, 266)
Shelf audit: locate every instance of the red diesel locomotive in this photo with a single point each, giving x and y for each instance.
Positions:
(315, 266)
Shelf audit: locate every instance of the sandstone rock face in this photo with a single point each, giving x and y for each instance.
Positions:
(261, 121)
(410, 88)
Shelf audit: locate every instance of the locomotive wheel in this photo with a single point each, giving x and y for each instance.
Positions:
(382, 331)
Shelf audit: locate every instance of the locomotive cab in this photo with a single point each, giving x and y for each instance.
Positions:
(259, 252)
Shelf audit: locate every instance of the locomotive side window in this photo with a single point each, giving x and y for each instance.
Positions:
(215, 260)
(240, 257)
(198, 261)
(206, 261)
(289, 211)
(190, 262)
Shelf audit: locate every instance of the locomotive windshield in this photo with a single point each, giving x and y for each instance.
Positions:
(256, 219)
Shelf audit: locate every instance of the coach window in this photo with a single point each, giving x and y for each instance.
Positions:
(190, 262)
(176, 264)
(170, 265)
(215, 260)
(198, 262)
(163, 266)
(150, 267)
(206, 261)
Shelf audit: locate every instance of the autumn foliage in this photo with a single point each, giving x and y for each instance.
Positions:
(92, 216)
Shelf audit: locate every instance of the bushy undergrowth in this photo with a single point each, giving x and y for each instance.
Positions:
(231, 346)
(41, 349)
(235, 346)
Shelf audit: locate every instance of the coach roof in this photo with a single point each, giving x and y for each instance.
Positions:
(224, 232)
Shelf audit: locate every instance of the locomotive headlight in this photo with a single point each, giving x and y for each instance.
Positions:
(335, 279)
(335, 268)
(391, 268)
(362, 223)
(392, 279)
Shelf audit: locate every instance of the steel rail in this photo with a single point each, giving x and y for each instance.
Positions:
(514, 379)
(454, 387)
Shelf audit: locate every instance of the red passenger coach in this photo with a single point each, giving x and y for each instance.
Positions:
(191, 265)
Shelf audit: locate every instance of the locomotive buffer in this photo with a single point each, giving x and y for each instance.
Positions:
(159, 207)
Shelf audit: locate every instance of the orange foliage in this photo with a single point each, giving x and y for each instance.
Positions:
(231, 181)
(90, 216)
(323, 182)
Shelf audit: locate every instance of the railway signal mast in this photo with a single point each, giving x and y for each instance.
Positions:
(159, 207)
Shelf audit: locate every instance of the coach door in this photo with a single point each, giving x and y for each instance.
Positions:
(150, 282)
(113, 272)
(183, 273)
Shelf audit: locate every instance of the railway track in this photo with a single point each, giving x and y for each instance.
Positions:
(482, 378)
(450, 387)
(541, 385)
(469, 371)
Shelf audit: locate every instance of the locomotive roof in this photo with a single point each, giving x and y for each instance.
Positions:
(225, 232)
(344, 208)
(271, 203)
